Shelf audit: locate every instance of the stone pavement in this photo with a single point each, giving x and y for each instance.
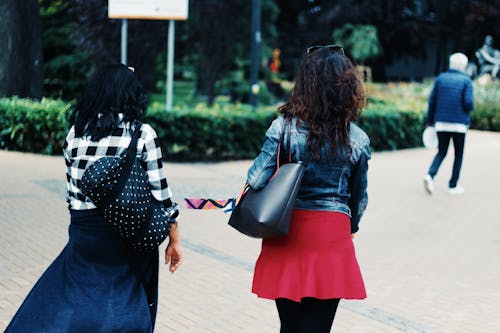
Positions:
(430, 263)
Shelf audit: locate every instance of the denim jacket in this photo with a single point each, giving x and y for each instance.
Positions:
(330, 184)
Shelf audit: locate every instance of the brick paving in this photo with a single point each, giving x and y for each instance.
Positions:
(430, 263)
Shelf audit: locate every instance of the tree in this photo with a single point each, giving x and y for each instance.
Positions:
(405, 27)
(361, 40)
(21, 55)
(216, 38)
(100, 38)
(65, 66)
(213, 42)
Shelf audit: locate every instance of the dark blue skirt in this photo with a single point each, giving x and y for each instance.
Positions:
(96, 284)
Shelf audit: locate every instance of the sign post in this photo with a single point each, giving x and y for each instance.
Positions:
(151, 10)
(170, 64)
(124, 52)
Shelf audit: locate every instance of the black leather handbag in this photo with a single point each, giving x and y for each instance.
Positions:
(266, 212)
(120, 187)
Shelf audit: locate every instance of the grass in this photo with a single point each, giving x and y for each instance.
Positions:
(382, 97)
(185, 98)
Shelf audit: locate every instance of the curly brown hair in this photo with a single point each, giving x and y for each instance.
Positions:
(327, 95)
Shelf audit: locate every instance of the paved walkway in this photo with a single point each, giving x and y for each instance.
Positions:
(430, 263)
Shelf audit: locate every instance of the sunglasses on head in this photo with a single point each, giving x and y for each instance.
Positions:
(334, 48)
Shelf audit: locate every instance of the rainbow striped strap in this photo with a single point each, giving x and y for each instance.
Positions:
(208, 204)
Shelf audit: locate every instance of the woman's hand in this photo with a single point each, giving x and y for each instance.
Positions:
(173, 253)
(353, 235)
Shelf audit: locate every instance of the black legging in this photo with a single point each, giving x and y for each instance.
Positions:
(310, 315)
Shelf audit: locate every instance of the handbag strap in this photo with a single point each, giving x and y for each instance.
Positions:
(131, 151)
(280, 143)
(127, 166)
(282, 140)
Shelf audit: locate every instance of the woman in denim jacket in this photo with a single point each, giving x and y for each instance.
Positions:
(308, 271)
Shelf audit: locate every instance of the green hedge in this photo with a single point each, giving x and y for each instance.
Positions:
(210, 135)
(219, 133)
(38, 127)
(486, 117)
(391, 129)
(223, 132)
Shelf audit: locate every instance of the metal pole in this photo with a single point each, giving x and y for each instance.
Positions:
(124, 59)
(170, 64)
(255, 54)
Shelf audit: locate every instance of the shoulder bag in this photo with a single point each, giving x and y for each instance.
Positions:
(266, 212)
(120, 187)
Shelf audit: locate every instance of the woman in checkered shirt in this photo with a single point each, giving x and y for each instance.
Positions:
(97, 284)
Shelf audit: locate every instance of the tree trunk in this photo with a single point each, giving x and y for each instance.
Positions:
(21, 49)
(206, 80)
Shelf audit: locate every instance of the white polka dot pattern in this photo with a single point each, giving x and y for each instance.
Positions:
(134, 213)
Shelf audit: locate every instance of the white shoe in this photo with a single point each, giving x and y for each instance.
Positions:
(428, 184)
(456, 190)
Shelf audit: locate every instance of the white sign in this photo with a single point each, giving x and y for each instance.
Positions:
(149, 9)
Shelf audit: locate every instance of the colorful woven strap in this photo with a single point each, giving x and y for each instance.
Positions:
(200, 203)
(227, 204)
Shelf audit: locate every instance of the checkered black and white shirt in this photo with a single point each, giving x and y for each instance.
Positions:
(80, 153)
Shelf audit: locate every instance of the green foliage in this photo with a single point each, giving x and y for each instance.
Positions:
(184, 94)
(34, 126)
(399, 96)
(210, 134)
(361, 41)
(221, 132)
(65, 68)
(237, 87)
(393, 119)
(412, 97)
(212, 46)
(233, 90)
(391, 129)
(486, 115)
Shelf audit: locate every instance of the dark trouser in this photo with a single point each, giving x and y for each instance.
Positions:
(310, 315)
(458, 145)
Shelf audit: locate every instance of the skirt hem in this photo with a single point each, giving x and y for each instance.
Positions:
(295, 299)
(316, 259)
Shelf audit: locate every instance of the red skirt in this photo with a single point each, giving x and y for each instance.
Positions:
(316, 259)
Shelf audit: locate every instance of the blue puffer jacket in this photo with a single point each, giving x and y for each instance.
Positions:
(451, 99)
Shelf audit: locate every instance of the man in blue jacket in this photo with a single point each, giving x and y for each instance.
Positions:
(450, 104)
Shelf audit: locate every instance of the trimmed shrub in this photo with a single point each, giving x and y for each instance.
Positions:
(390, 130)
(210, 135)
(486, 115)
(229, 131)
(33, 126)
(222, 132)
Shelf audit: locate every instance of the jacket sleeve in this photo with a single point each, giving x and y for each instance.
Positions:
(468, 98)
(431, 111)
(152, 161)
(358, 187)
(264, 165)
